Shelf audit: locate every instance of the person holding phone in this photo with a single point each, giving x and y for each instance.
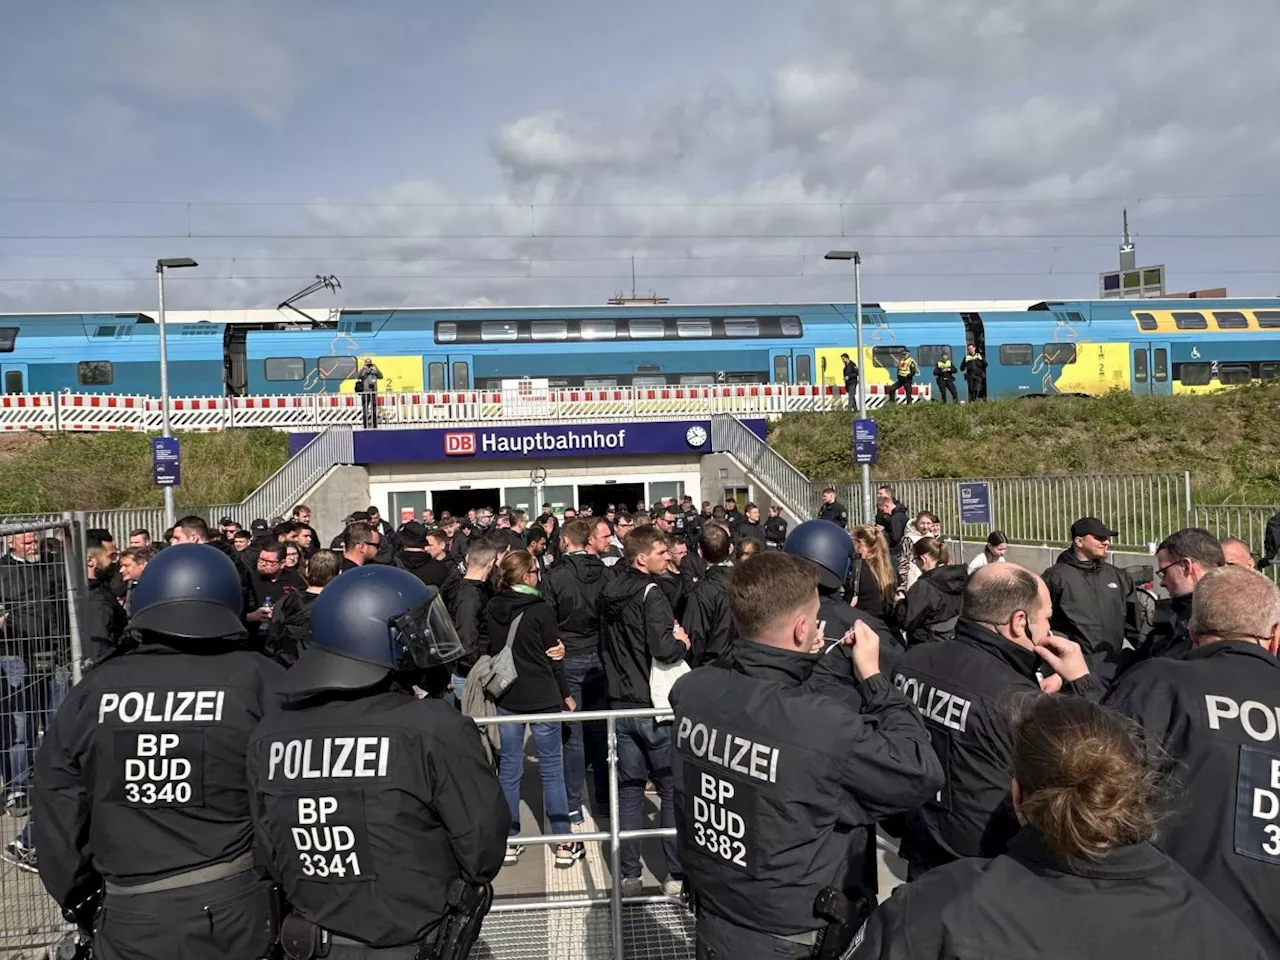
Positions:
(1003, 648)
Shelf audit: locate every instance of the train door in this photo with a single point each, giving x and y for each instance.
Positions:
(15, 377)
(461, 375)
(1151, 372)
(780, 366)
(974, 333)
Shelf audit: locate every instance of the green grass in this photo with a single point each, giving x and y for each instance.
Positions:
(109, 471)
(1230, 441)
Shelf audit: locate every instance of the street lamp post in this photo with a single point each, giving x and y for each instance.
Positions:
(166, 430)
(856, 257)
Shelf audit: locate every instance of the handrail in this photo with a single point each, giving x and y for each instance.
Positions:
(795, 490)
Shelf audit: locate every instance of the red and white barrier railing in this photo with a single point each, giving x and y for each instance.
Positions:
(90, 412)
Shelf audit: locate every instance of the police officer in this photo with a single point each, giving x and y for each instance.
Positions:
(140, 784)
(944, 372)
(965, 688)
(907, 370)
(379, 813)
(775, 528)
(833, 510)
(974, 369)
(1214, 710)
(772, 820)
(830, 550)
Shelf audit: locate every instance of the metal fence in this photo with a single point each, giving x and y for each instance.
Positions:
(791, 488)
(41, 574)
(1247, 522)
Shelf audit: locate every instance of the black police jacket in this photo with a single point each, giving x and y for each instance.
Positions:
(1135, 902)
(964, 689)
(572, 586)
(833, 673)
(775, 531)
(707, 619)
(1090, 601)
(835, 512)
(1216, 710)
(778, 787)
(141, 773)
(635, 630)
(368, 809)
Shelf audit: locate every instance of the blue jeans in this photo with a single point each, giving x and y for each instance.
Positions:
(27, 704)
(546, 741)
(582, 746)
(644, 753)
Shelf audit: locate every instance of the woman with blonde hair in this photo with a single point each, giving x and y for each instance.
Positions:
(875, 582)
(1083, 878)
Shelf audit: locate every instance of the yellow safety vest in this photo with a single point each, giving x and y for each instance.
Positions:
(945, 366)
(906, 367)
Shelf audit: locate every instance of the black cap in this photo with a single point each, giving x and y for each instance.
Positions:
(259, 525)
(1092, 526)
(359, 515)
(413, 534)
(225, 522)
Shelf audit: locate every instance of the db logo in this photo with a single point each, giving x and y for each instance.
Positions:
(459, 444)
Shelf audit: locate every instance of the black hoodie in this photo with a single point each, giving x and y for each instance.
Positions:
(572, 586)
(895, 526)
(1090, 602)
(434, 573)
(707, 618)
(933, 604)
(540, 685)
(635, 630)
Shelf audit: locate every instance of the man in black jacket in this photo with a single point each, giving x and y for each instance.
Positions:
(891, 518)
(104, 618)
(750, 527)
(706, 614)
(1091, 597)
(637, 630)
(1182, 560)
(573, 586)
(467, 605)
(1214, 711)
(833, 510)
(964, 688)
(423, 555)
(769, 813)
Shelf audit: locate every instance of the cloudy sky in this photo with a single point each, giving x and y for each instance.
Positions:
(497, 151)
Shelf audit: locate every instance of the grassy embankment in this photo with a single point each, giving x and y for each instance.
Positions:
(107, 471)
(1230, 441)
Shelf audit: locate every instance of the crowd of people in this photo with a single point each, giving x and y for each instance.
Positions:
(1045, 747)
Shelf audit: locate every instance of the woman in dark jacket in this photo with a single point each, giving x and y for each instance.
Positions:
(1082, 879)
(933, 603)
(540, 687)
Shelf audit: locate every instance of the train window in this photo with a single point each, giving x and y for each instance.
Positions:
(598, 383)
(804, 368)
(1190, 320)
(446, 333)
(1160, 367)
(1231, 320)
(8, 335)
(1073, 317)
(646, 329)
(697, 379)
(930, 353)
(13, 381)
(435, 376)
(1140, 365)
(1146, 321)
(1017, 354)
(362, 326)
(95, 373)
(598, 329)
(104, 332)
(781, 369)
(693, 328)
(549, 330)
(461, 375)
(1269, 370)
(1234, 374)
(504, 330)
(648, 381)
(1195, 374)
(336, 368)
(1268, 319)
(791, 327)
(886, 357)
(284, 368)
(1059, 353)
(742, 327)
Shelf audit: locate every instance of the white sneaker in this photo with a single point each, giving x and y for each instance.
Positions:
(513, 853)
(672, 887)
(632, 886)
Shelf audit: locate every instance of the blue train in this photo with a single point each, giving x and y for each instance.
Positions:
(1032, 349)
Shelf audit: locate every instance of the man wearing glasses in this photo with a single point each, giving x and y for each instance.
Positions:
(1091, 597)
(1182, 559)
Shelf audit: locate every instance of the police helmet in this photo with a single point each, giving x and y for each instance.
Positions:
(190, 591)
(826, 545)
(369, 622)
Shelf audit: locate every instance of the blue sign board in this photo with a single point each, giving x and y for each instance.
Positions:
(531, 443)
(975, 503)
(166, 462)
(865, 434)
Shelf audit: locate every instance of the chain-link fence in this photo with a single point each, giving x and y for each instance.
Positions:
(42, 571)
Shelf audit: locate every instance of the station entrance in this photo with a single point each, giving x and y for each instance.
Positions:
(598, 496)
(458, 502)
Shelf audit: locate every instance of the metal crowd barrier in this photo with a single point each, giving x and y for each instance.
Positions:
(1247, 522)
